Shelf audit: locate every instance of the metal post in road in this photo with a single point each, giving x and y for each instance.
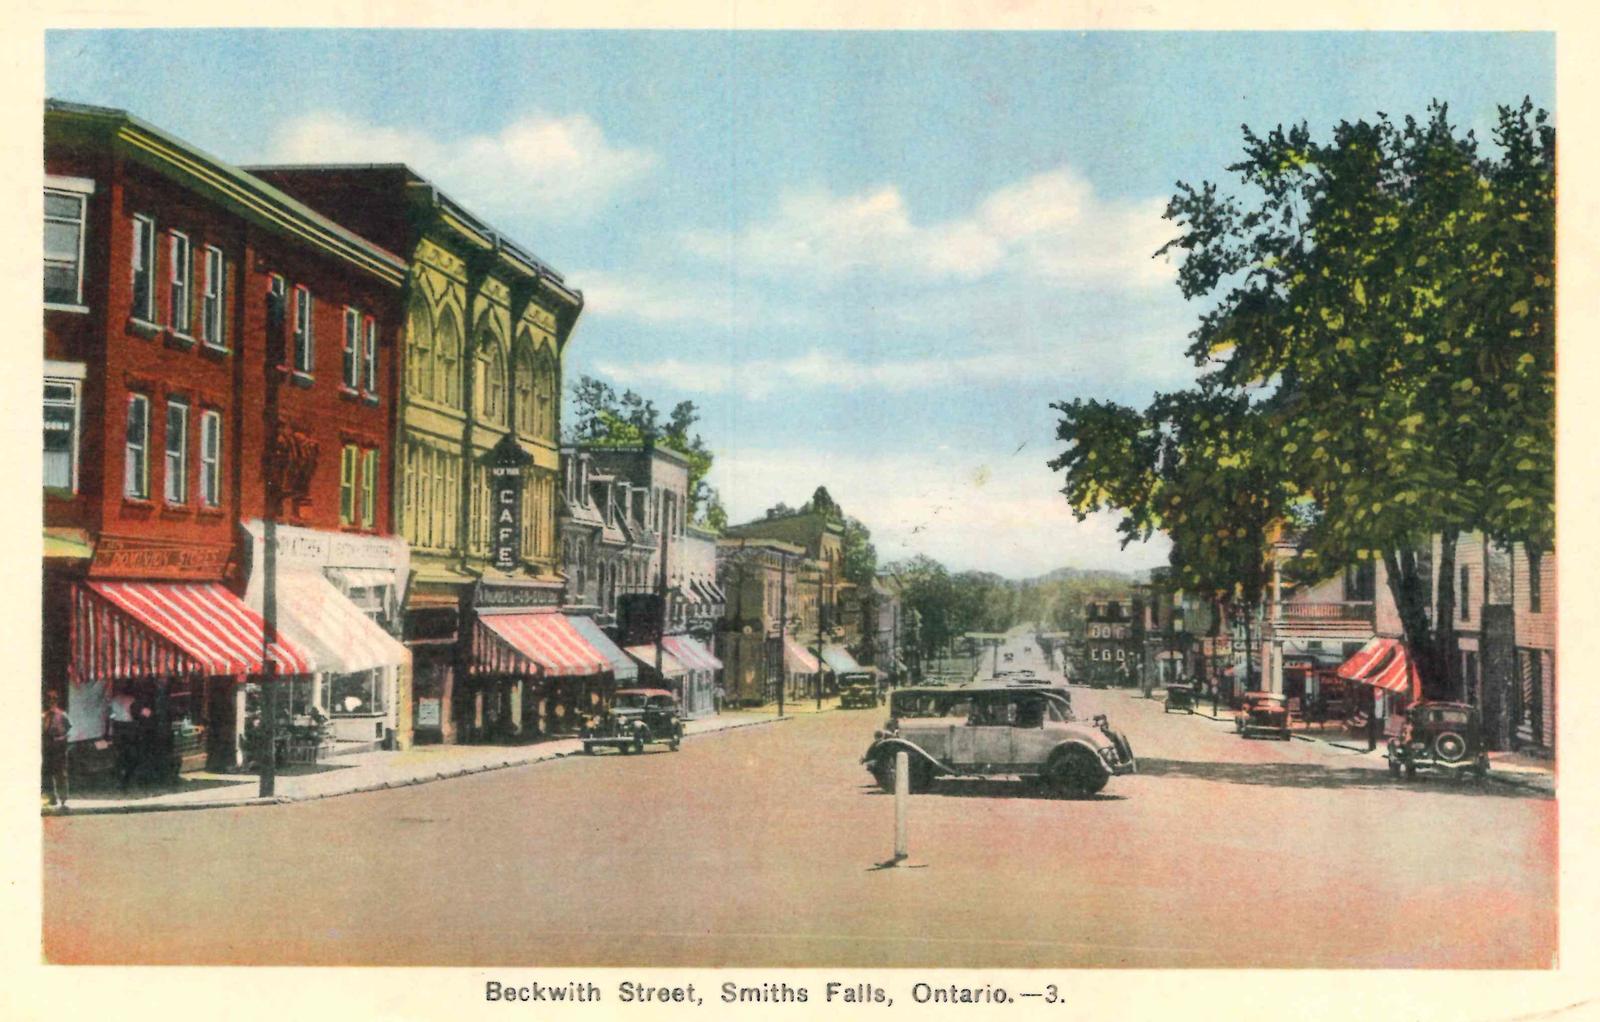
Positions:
(902, 796)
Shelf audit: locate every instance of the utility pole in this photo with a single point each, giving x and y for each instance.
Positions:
(277, 308)
(820, 598)
(783, 626)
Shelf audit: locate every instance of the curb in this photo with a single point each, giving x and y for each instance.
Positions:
(386, 785)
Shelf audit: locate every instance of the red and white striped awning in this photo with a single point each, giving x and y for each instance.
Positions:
(544, 644)
(340, 637)
(690, 653)
(155, 629)
(797, 660)
(1384, 664)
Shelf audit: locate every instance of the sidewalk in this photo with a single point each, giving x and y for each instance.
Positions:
(366, 771)
(1513, 768)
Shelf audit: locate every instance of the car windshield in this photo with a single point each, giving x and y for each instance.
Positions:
(661, 702)
(1446, 715)
(629, 701)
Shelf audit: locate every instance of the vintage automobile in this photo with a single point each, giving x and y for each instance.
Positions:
(997, 729)
(637, 717)
(858, 690)
(1440, 736)
(1263, 712)
(1180, 698)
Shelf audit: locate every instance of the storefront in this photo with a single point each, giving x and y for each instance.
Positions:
(1384, 667)
(800, 670)
(659, 671)
(338, 596)
(532, 671)
(171, 664)
(701, 669)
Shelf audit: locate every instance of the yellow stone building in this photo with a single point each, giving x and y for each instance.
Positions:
(486, 326)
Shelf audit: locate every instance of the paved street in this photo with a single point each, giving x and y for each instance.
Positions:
(754, 847)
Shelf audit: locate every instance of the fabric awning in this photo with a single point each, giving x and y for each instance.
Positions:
(544, 644)
(839, 660)
(1383, 663)
(68, 544)
(670, 665)
(340, 637)
(690, 653)
(622, 668)
(797, 660)
(153, 629)
(362, 578)
(714, 591)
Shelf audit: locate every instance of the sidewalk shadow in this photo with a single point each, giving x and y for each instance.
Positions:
(109, 789)
(950, 787)
(1312, 775)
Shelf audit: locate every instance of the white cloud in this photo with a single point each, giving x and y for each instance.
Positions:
(1051, 227)
(541, 166)
(999, 512)
(648, 299)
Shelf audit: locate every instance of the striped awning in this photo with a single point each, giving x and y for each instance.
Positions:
(796, 660)
(1384, 664)
(690, 653)
(544, 644)
(839, 660)
(671, 667)
(622, 667)
(340, 637)
(154, 629)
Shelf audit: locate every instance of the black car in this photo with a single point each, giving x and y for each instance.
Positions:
(1440, 736)
(638, 717)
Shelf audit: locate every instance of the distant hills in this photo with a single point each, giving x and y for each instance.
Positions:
(1090, 576)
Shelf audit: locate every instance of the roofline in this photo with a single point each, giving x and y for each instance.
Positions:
(263, 202)
(465, 221)
(590, 447)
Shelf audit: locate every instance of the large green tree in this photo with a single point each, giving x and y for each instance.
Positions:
(1383, 304)
(602, 416)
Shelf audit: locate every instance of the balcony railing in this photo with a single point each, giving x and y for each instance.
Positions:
(1350, 619)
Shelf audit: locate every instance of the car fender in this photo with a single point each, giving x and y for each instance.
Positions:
(895, 745)
(1094, 753)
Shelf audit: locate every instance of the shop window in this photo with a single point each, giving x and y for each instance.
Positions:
(211, 458)
(182, 281)
(63, 247)
(61, 435)
(136, 449)
(144, 269)
(177, 453)
(213, 310)
(352, 348)
(304, 335)
(361, 693)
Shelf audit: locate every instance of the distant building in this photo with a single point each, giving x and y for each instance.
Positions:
(1112, 642)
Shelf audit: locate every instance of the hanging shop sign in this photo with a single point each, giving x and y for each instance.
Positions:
(507, 464)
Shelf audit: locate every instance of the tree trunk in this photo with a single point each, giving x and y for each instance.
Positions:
(1412, 597)
(1447, 660)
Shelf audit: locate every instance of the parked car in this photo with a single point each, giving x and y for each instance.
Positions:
(1440, 736)
(858, 690)
(1263, 712)
(1180, 698)
(637, 717)
(997, 729)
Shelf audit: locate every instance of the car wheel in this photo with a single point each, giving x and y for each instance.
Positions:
(1411, 771)
(1394, 768)
(1074, 773)
(638, 743)
(1481, 767)
(921, 776)
(588, 750)
(1450, 746)
(883, 771)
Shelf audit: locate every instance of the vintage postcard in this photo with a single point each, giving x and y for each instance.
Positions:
(721, 505)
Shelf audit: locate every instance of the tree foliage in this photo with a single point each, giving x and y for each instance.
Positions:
(602, 416)
(1377, 361)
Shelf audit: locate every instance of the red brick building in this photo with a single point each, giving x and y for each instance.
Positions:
(206, 338)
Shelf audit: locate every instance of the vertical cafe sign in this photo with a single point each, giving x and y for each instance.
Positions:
(508, 464)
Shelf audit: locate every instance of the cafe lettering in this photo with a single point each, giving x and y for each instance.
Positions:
(507, 484)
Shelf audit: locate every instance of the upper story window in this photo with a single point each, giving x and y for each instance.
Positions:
(136, 449)
(352, 348)
(447, 362)
(182, 279)
(66, 203)
(304, 340)
(177, 453)
(61, 425)
(213, 313)
(522, 403)
(492, 383)
(211, 458)
(1466, 587)
(369, 356)
(144, 269)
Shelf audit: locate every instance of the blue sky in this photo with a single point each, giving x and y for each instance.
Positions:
(872, 259)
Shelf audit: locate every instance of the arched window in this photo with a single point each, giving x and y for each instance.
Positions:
(491, 381)
(547, 378)
(419, 350)
(522, 401)
(447, 363)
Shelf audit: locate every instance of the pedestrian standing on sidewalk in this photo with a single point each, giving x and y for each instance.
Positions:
(1374, 720)
(56, 727)
(119, 721)
(721, 696)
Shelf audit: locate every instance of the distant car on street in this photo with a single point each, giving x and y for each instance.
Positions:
(858, 691)
(637, 717)
(1263, 713)
(997, 729)
(1440, 736)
